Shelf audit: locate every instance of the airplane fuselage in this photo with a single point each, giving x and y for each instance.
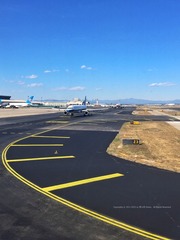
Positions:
(70, 110)
(8, 103)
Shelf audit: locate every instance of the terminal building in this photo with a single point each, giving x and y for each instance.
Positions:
(5, 97)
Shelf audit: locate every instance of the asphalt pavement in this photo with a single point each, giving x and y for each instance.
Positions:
(66, 160)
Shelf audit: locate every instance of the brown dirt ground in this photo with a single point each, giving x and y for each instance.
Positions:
(160, 145)
(147, 110)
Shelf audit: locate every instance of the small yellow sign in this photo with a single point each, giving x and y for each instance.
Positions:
(135, 122)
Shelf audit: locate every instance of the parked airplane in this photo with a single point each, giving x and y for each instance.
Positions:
(18, 103)
(71, 109)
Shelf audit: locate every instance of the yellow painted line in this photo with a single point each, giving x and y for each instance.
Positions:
(57, 121)
(81, 182)
(36, 136)
(99, 121)
(86, 211)
(38, 145)
(62, 116)
(89, 123)
(39, 159)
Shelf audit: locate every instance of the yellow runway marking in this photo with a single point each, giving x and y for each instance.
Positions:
(74, 206)
(81, 182)
(57, 122)
(36, 136)
(39, 159)
(38, 145)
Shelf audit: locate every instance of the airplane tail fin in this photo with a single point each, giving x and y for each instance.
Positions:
(84, 102)
(30, 99)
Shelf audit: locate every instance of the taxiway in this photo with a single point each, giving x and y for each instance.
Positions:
(66, 160)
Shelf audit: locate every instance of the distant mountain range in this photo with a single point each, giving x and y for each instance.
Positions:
(140, 101)
(125, 101)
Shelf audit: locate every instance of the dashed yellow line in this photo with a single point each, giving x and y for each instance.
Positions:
(39, 159)
(81, 182)
(38, 145)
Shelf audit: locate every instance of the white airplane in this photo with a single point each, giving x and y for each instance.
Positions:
(17, 103)
(71, 109)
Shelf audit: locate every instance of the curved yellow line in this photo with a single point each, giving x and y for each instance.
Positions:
(75, 206)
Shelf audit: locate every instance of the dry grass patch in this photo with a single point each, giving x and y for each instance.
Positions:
(142, 111)
(160, 148)
(148, 110)
(171, 112)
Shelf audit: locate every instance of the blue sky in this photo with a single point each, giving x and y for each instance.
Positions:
(105, 49)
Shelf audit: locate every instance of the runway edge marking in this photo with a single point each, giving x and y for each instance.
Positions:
(74, 206)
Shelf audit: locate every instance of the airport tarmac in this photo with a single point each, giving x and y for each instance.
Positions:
(175, 123)
(131, 194)
(18, 112)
